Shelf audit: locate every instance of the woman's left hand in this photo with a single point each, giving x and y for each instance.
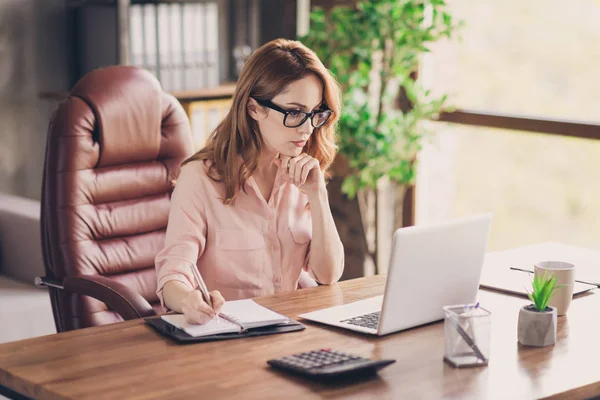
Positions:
(305, 172)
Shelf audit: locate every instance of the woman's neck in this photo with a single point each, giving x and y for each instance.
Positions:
(264, 176)
(266, 166)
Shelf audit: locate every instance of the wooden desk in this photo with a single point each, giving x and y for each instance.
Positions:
(129, 360)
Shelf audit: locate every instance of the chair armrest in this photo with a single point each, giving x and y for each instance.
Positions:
(128, 303)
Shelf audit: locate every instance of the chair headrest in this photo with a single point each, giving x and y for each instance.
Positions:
(127, 105)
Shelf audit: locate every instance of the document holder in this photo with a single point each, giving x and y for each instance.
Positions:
(180, 336)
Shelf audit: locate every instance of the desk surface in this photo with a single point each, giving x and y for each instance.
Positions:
(129, 360)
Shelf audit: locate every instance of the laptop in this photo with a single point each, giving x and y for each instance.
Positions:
(430, 267)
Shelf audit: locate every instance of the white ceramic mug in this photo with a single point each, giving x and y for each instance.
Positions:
(564, 273)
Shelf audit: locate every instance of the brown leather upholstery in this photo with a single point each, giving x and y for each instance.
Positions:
(113, 149)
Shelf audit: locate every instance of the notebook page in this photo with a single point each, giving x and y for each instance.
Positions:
(213, 327)
(250, 314)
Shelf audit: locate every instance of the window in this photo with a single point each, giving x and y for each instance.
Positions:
(534, 57)
(539, 187)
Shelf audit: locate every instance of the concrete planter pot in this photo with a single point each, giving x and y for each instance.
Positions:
(537, 328)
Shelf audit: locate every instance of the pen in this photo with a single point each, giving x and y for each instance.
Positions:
(203, 288)
(467, 339)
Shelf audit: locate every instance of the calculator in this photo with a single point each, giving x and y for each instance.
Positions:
(327, 363)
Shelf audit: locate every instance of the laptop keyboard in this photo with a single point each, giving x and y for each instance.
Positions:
(366, 321)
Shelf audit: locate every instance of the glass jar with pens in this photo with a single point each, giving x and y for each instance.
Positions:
(467, 331)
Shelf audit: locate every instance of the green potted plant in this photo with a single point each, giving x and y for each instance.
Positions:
(537, 321)
(373, 49)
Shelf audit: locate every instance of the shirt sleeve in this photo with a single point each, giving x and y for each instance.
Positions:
(306, 260)
(186, 231)
(307, 268)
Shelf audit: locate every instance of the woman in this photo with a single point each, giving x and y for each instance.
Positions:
(250, 210)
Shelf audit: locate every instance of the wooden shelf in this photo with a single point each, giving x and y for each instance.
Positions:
(218, 92)
(83, 3)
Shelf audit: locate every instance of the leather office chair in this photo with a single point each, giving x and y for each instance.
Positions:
(113, 150)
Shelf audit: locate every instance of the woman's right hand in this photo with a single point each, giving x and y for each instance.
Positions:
(196, 310)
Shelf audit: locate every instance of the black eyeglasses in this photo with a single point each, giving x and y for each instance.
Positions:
(295, 118)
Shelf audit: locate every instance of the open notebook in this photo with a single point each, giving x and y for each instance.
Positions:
(512, 270)
(235, 316)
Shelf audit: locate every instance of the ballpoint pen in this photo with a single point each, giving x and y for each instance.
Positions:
(203, 289)
(468, 340)
(531, 272)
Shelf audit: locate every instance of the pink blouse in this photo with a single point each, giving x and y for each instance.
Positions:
(252, 248)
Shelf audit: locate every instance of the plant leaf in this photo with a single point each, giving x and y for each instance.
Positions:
(543, 288)
(349, 40)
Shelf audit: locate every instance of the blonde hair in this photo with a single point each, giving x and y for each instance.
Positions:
(267, 73)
